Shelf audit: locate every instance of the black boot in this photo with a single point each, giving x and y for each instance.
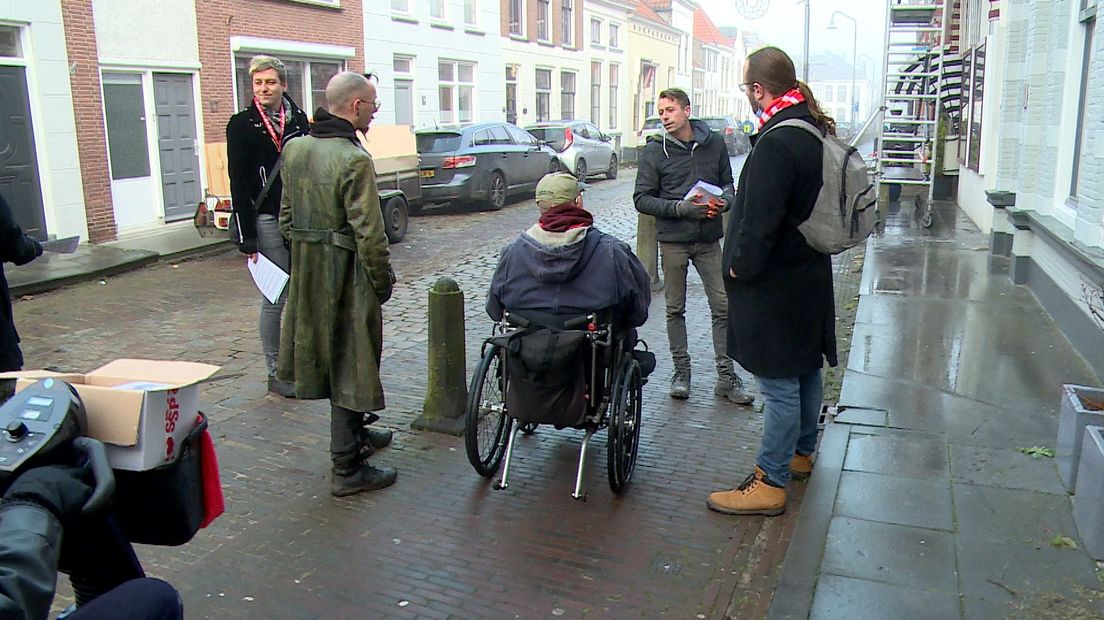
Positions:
(366, 478)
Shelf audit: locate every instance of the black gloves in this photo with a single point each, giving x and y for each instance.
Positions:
(248, 246)
(61, 490)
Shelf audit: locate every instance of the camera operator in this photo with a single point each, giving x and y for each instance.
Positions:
(35, 510)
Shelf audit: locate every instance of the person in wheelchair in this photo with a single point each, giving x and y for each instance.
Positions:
(564, 266)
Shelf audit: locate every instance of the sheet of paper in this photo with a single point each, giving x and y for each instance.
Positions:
(705, 189)
(268, 277)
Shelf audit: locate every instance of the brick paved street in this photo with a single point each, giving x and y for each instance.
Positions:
(440, 543)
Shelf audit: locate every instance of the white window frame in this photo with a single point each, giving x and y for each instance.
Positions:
(567, 21)
(520, 5)
(545, 91)
(596, 92)
(402, 11)
(544, 6)
(474, 6)
(595, 32)
(455, 86)
(444, 10)
(613, 83)
(564, 73)
(615, 36)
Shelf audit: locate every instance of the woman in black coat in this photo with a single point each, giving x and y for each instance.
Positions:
(18, 248)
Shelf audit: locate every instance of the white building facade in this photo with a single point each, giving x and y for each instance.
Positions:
(437, 62)
(606, 23)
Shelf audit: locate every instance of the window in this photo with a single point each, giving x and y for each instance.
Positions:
(614, 31)
(1079, 154)
(402, 6)
(492, 135)
(437, 9)
(568, 23)
(306, 79)
(124, 111)
(973, 153)
(455, 90)
(516, 16)
(596, 92)
(471, 13)
(544, 94)
(596, 31)
(521, 136)
(402, 64)
(9, 42)
(511, 93)
(543, 12)
(613, 71)
(841, 93)
(567, 95)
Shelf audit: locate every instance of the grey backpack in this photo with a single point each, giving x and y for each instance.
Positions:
(844, 212)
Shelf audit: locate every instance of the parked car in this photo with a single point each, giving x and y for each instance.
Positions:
(652, 126)
(733, 135)
(581, 147)
(484, 162)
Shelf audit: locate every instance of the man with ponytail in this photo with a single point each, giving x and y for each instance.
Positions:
(781, 324)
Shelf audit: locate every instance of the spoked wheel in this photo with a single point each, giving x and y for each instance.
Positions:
(624, 426)
(496, 192)
(487, 427)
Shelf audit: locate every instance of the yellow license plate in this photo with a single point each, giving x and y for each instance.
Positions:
(427, 174)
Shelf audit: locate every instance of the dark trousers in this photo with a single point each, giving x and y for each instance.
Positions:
(137, 599)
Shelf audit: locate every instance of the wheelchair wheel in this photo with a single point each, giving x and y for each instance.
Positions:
(487, 427)
(624, 425)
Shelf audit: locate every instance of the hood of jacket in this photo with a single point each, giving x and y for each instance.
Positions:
(327, 125)
(703, 135)
(551, 262)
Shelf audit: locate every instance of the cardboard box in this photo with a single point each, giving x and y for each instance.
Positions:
(140, 409)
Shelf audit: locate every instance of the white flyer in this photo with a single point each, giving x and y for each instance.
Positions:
(268, 277)
(705, 189)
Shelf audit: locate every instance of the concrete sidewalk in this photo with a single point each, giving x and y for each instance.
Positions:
(89, 262)
(922, 504)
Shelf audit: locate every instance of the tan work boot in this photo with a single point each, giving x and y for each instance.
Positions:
(801, 466)
(754, 496)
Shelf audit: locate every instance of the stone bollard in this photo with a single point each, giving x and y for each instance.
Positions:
(647, 248)
(446, 388)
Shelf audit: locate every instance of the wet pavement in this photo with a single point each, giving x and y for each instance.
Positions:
(922, 503)
(441, 542)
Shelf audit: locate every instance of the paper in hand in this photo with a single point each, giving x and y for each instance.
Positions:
(705, 189)
(268, 277)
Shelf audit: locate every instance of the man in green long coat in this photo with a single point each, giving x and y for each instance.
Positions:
(340, 276)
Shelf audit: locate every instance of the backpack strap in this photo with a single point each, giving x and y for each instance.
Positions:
(797, 122)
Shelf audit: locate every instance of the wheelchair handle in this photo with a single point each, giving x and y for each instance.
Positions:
(515, 320)
(101, 471)
(579, 322)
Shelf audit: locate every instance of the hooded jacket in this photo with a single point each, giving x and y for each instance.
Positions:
(575, 272)
(18, 248)
(667, 168)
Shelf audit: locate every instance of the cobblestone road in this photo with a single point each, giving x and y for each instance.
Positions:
(440, 543)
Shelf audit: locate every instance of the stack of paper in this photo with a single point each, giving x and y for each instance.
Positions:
(705, 189)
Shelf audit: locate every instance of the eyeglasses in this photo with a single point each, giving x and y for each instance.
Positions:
(375, 103)
(744, 86)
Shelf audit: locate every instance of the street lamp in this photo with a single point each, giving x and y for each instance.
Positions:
(854, 52)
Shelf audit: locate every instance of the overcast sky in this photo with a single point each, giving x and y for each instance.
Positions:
(783, 25)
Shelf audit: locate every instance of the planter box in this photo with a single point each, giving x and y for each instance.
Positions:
(1080, 408)
(1088, 503)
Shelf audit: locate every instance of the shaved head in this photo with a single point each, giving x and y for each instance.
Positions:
(352, 97)
(344, 88)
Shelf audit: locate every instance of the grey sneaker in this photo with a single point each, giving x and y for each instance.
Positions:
(680, 384)
(730, 387)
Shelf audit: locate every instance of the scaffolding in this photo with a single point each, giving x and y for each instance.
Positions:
(919, 83)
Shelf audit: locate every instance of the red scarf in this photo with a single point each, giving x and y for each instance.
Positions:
(791, 98)
(562, 218)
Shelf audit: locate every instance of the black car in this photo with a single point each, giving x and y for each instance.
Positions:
(734, 137)
(481, 162)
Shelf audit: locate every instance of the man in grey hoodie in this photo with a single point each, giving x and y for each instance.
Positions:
(689, 228)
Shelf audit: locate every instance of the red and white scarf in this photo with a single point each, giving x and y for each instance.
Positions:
(791, 98)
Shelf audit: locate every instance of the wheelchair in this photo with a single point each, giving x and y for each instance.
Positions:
(499, 404)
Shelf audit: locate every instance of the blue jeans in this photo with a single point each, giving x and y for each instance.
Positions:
(791, 408)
